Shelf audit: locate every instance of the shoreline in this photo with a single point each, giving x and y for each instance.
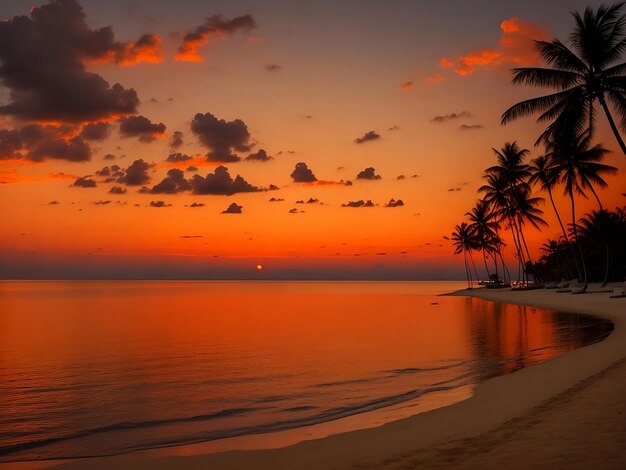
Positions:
(426, 436)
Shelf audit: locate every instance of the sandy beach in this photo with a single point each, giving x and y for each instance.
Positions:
(568, 412)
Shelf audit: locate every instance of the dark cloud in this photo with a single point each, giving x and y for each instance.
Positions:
(96, 131)
(368, 174)
(303, 174)
(53, 203)
(301, 201)
(367, 137)
(141, 127)
(394, 128)
(260, 156)
(312, 200)
(177, 157)
(470, 127)
(415, 176)
(453, 189)
(136, 174)
(102, 203)
(196, 204)
(43, 64)
(117, 190)
(173, 183)
(273, 68)
(109, 156)
(113, 170)
(233, 209)
(359, 203)
(159, 204)
(220, 182)
(276, 199)
(176, 141)
(273, 187)
(38, 143)
(400, 177)
(395, 203)
(220, 137)
(214, 27)
(192, 169)
(84, 182)
(191, 236)
(450, 117)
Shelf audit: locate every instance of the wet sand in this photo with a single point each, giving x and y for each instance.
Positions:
(568, 412)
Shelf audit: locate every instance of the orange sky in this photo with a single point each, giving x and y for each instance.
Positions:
(305, 91)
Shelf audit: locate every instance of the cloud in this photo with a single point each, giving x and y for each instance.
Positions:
(260, 156)
(117, 190)
(395, 203)
(141, 127)
(407, 86)
(470, 127)
(302, 174)
(197, 204)
(367, 137)
(136, 174)
(110, 171)
(453, 190)
(222, 138)
(220, 182)
(177, 158)
(313, 200)
(176, 141)
(96, 131)
(108, 156)
(276, 199)
(394, 128)
(37, 142)
(359, 203)
(516, 47)
(368, 174)
(159, 204)
(102, 203)
(450, 117)
(400, 177)
(43, 65)
(173, 183)
(233, 209)
(192, 169)
(272, 68)
(214, 27)
(295, 211)
(435, 78)
(84, 182)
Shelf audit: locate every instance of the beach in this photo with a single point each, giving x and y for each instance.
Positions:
(565, 413)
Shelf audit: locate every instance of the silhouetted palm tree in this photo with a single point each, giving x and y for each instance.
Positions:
(581, 75)
(483, 226)
(580, 169)
(464, 242)
(545, 174)
(599, 228)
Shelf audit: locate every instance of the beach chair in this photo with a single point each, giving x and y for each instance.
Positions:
(619, 292)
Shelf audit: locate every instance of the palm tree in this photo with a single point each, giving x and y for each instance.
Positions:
(545, 174)
(503, 182)
(464, 242)
(582, 74)
(483, 226)
(599, 228)
(580, 169)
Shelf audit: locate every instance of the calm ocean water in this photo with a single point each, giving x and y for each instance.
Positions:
(101, 368)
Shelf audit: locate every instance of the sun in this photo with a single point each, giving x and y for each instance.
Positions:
(259, 267)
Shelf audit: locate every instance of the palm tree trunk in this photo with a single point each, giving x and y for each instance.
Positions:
(558, 216)
(580, 250)
(618, 137)
(467, 272)
(474, 265)
(486, 267)
(596, 196)
(530, 260)
(520, 251)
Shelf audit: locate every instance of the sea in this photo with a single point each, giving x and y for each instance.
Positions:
(96, 368)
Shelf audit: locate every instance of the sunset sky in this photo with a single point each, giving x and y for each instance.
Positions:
(124, 126)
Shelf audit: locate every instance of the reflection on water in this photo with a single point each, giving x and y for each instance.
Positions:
(98, 368)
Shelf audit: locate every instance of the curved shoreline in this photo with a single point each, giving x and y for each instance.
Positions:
(495, 402)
